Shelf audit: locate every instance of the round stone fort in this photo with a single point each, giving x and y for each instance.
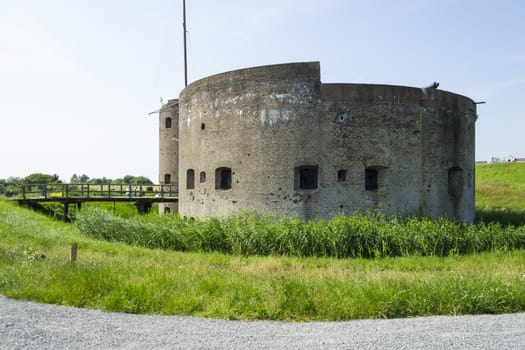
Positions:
(274, 139)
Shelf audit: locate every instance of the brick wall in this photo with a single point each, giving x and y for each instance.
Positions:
(271, 125)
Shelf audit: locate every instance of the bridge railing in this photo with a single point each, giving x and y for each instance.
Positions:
(95, 191)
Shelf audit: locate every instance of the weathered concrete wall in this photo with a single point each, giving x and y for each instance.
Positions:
(169, 150)
(275, 126)
(449, 167)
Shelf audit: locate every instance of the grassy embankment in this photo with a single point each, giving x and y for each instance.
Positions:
(500, 193)
(118, 277)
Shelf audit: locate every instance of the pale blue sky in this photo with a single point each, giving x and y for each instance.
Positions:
(79, 77)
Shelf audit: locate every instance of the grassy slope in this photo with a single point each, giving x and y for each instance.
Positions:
(121, 278)
(501, 185)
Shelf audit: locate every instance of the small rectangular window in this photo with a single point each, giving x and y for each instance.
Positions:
(223, 178)
(203, 176)
(190, 179)
(371, 176)
(455, 182)
(168, 123)
(306, 178)
(341, 175)
(167, 178)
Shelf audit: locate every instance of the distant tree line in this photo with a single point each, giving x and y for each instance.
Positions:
(8, 187)
(128, 180)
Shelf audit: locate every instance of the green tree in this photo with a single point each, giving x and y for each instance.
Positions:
(79, 179)
(142, 180)
(74, 179)
(40, 179)
(13, 180)
(99, 181)
(134, 180)
(8, 187)
(128, 179)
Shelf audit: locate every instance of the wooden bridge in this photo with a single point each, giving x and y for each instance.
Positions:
(142, 195)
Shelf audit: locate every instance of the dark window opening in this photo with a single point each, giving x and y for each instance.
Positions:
(371, 177)
(168, 123)
(190, 179)
(203, 176)
(167, 210)
(167, 178)
(306, 178)
(223, 178)
(203, 126)
(341, 175)
(455, 182)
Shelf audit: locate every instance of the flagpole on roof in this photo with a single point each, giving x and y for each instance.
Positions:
(185, 54)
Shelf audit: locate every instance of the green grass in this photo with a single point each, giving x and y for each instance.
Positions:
(500, 193)
(361, 236)
(275, 269)
(500, 186)
(115, 277)
(121, 209)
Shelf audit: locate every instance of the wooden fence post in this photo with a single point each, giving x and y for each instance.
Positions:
(73, 252)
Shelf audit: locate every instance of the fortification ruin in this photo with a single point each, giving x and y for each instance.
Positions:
(275, 139)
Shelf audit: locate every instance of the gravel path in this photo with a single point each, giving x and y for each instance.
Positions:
(28, 325)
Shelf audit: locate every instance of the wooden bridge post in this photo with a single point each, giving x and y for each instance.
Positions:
(143, 206)
(66, 212)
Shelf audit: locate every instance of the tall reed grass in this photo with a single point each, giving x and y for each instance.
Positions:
(370, 235)
(503, 216)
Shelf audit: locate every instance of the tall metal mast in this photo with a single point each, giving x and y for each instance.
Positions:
(185, 54)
